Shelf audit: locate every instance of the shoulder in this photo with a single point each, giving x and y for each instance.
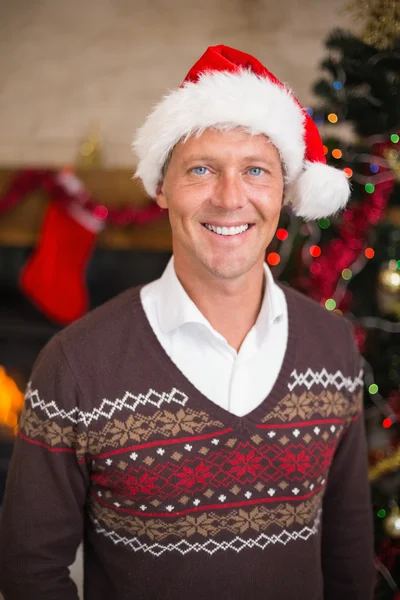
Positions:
(98, 338)
(314, 315)
(322, 332)
(106, 320)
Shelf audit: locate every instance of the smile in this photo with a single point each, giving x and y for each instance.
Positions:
(228, 230)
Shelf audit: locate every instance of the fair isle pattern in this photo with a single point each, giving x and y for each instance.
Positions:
(107, 408)
(167, 477)
(116, 433)
(47, 432)
(308, 405)
(337, 379)
(237, 544)
(140, 428)
(209, 524)
(146, 483)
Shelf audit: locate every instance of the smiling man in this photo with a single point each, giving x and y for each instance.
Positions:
(223, 191)
(203, 433)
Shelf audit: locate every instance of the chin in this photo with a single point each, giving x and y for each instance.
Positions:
(229, 269)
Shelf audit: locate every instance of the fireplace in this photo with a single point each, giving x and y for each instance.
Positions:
(24, 330)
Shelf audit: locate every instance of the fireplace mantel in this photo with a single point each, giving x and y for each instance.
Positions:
(115, 188)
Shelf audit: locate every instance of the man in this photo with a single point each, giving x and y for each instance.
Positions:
(204, 433)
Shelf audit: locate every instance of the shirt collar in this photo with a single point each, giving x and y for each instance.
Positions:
(175, 308)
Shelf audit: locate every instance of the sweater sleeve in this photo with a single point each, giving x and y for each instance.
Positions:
(41, 523)
(347, 525)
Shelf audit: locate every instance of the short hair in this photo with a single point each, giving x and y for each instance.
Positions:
(221, 127)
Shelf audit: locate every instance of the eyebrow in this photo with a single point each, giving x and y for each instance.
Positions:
(194, 157)
(209, 158)
(257, 158)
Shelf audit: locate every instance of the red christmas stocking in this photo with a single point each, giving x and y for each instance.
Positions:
(54, 276)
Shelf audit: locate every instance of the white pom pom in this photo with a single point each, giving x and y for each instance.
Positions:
(320, 191)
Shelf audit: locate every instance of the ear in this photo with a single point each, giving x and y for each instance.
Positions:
(160, 195)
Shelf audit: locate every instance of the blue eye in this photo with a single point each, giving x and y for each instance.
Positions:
(199, 170)
(256, 171)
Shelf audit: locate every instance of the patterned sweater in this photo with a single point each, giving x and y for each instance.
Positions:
(175, 497)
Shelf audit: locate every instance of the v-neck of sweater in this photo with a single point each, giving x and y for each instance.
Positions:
(163, 362)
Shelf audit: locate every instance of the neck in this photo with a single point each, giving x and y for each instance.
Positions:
(230, 306)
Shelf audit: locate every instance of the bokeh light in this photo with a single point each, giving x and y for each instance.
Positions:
(347, 274)
(282, 234)
(315, 251)
(330, 304)
(273, 259)
(324, 223)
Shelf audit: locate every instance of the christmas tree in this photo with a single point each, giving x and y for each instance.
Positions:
(351, 264)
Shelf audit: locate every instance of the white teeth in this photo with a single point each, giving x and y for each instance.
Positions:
(227, 230)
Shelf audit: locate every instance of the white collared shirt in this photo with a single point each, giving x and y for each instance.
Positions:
(237, 381)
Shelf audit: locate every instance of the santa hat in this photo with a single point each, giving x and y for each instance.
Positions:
(227, 87)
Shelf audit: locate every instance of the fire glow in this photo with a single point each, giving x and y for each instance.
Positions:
(11, 402)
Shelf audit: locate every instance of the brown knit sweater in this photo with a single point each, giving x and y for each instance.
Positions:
(176, 498)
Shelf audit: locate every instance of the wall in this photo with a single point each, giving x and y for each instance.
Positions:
(65, 64)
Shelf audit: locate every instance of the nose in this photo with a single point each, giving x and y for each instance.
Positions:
(229, 193)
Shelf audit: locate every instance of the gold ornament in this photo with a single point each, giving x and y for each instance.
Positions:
(90, 148)
(391, 523)
(388, 292)
(393, 159)
(381, 21)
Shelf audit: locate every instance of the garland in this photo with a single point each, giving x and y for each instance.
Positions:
(386, 465)
(67, 188)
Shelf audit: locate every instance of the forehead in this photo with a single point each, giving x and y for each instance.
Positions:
(226, 144)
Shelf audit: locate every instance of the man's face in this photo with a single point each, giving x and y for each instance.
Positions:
(223, 182)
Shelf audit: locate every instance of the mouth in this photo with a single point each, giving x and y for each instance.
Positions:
(228, 230)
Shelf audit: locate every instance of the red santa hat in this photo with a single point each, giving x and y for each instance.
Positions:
(228, 88)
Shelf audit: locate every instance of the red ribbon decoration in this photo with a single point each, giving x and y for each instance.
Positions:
(30, 179)
(23, 183)
(342, 252)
